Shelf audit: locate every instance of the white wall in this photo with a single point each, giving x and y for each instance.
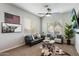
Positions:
(77, 42)
(8, 40)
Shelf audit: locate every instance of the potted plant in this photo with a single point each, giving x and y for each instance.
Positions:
(68, 33)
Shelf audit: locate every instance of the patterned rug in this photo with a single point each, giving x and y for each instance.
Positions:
(52, 50)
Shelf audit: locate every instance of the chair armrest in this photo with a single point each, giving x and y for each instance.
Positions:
(28, 39)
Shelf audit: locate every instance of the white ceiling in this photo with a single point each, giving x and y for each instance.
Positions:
(36, 8)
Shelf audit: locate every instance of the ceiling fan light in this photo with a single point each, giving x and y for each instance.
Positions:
(48, 15)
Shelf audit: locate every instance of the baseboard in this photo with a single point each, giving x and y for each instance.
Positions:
(77, 50)
(12, 47)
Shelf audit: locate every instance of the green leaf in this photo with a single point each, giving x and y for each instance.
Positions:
(68, 31)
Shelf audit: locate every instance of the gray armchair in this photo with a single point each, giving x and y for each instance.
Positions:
(59, 39)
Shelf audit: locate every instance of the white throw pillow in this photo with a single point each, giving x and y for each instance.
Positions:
(38, 35)
(33, 37)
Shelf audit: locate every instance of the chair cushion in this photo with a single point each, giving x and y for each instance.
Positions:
(57, 40)
(31, 38)
(59, 36)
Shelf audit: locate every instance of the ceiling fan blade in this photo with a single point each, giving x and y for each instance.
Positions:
(45, 13)
(40, 13)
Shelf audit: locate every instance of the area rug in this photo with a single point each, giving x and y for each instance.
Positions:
(52, 50)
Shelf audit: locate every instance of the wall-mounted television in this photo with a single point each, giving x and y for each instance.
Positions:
(10, 28)
(74, 19)
(78, 22)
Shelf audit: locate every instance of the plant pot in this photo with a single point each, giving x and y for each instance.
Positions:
(68, 42)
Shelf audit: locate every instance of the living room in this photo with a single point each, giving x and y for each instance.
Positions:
(43, 20)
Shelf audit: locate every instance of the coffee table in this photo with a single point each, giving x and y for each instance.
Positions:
(51, 41)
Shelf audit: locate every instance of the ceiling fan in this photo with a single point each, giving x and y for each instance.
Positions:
(48, 11)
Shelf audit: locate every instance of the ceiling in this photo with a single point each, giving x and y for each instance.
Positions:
(36, 8)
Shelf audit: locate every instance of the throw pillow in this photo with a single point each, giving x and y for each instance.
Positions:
(38, 35)
(33, 37)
